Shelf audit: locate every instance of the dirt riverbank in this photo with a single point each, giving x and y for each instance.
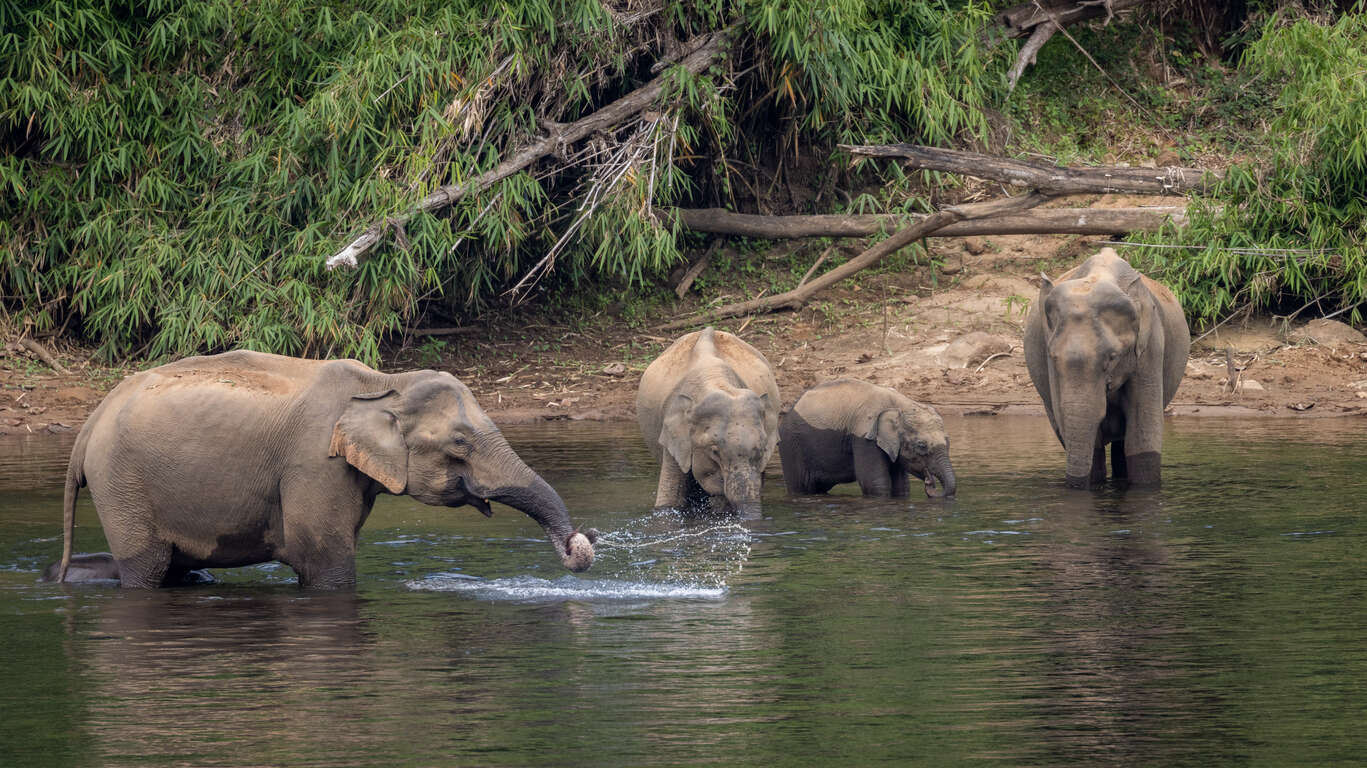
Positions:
(950, 337)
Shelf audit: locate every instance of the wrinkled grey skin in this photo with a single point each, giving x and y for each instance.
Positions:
(708, 408)
(1106, 348)
(848, 430)
(244, 458)
(102, 567)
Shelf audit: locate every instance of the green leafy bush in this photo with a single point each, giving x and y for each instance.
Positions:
(1285, 230)
(173, 175)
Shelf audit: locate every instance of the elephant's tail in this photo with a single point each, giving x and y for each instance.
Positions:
(75, 478)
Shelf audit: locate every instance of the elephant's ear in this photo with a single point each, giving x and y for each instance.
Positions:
(1143, 305)
(368, 437)
(675, 433)
(883, 427)
(1046, 286)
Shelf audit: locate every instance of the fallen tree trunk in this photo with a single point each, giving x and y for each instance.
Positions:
(1040, 221)
(558, 135)
(795, 298)
(1050, 179)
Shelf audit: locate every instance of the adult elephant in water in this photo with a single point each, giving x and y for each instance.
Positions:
(1106, 348)
(848, 430)
(245, 457)
(708, 408)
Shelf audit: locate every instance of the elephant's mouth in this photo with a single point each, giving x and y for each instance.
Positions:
(481, 504)
(931, 487)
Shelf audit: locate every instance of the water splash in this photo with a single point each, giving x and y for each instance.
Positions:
(669, 547)
(529, 589)
(663, 555)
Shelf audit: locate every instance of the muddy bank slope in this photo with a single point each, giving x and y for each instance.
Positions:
(949, 336)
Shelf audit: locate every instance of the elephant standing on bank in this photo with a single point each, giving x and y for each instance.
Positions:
(708, 408)
(245, 457)
(847, 430)
(1106, 348)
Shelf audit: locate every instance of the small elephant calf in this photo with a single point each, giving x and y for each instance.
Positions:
(847, 430)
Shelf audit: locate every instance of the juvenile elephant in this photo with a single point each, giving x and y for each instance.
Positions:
(847, 430)
(1106, 348)
(708, 408)
(246, 457)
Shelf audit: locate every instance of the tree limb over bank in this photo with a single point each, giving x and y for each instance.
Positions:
(1021, 20)
(795, 298)
(1049, 179)
(704, 49)
(1041, 221)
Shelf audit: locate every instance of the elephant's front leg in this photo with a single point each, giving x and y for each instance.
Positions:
(672, 490)
(322, 560)
(901, 482)
(320, 525)
(1143, 443)
(872, 468)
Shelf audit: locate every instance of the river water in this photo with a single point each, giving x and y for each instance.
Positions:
(1219, 621)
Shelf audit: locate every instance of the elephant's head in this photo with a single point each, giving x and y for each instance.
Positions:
(722, 440)
(913, 437)
(429, 439)
(1096, 332)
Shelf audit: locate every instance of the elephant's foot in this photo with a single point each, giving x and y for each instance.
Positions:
(1145, 469)
(1084, 483)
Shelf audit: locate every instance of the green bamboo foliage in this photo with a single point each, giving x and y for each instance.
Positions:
(1298, 210)
(173, 174)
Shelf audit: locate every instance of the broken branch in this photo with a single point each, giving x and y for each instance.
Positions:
(41, 352)
(1021, 20)
(795, 298)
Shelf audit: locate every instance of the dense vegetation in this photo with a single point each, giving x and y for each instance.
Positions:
(1287, 230)
(173, 175)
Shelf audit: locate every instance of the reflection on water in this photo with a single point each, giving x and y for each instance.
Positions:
(1216, 621)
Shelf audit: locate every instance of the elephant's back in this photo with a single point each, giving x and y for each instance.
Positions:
(830, 405)
(688, 355)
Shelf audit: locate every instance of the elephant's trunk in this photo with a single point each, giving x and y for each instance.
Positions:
(943, 472)
(741, 487)
(528, 493)
(1081, 413)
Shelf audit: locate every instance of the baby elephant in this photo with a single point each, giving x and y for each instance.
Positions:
(102, 566)
(846, 430)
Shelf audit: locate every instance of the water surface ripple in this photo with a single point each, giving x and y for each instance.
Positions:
(1218, 621)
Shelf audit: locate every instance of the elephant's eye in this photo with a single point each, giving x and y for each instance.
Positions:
(922, 448)
(459, 447)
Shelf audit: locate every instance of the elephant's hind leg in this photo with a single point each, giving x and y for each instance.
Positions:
(1098, 474)
(147, 568)
(1118, 469)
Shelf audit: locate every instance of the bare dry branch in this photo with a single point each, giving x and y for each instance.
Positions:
(795, 298)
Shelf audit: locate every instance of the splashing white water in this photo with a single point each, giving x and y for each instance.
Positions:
(529, 589)
(664, 555)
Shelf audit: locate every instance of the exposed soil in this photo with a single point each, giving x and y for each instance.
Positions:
(898, 328)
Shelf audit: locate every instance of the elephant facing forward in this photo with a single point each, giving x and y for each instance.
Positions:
(847, 430)
(708, 408)
(1106, 348)
(246, 457)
